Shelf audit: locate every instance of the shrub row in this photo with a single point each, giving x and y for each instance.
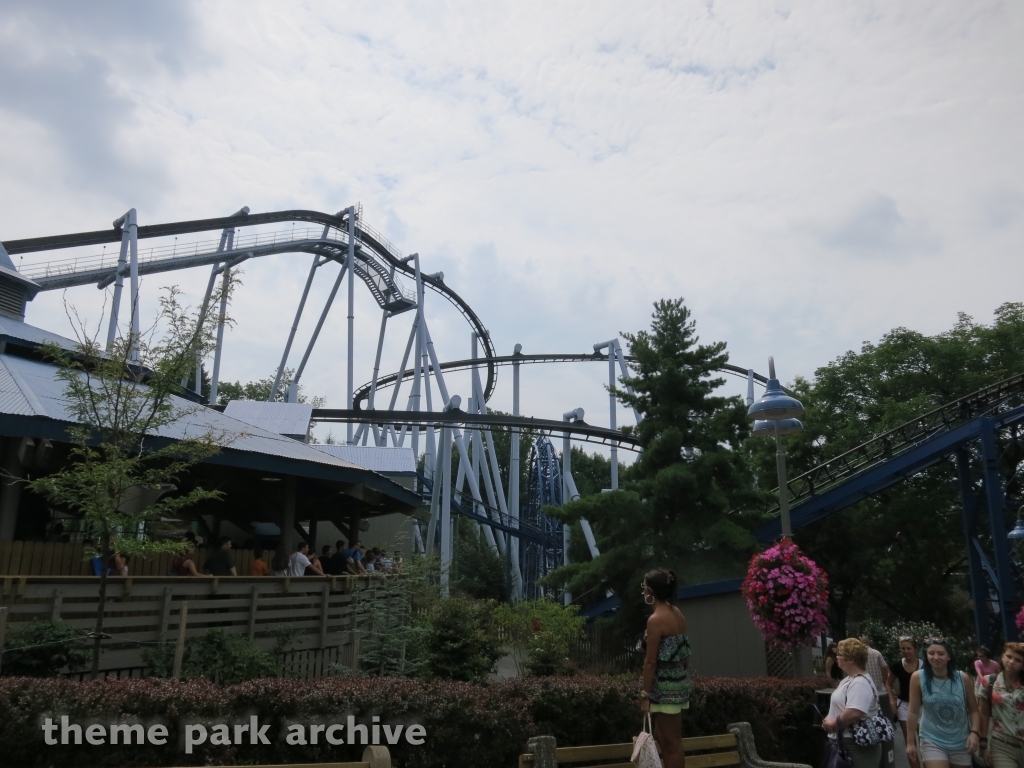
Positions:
(466, 723)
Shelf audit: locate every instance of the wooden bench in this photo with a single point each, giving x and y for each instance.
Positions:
(373, 757)
(733, 748)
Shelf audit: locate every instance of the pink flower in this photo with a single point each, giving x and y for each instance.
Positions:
(787, 595)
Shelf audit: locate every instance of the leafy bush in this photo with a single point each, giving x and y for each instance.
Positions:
(540, 633)
(466, 723)
(459, 641)
(43, 649)
(217, 656)
(886, 636)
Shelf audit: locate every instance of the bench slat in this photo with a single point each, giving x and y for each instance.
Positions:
(713, 760)
(695, 743)
(595, 752)
(612, 751)
(317, 765)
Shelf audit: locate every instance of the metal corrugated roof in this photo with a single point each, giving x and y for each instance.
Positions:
(279, 418)
(37, 383)
(17, 330)
(388, 461)
(12, 395)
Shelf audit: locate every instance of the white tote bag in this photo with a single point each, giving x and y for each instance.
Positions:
(645, 750)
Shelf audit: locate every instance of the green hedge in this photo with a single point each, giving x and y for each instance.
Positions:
(467, 724)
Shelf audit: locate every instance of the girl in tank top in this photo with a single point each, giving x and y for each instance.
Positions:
(943, 724)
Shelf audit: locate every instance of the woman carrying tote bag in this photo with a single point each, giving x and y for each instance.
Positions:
(943, 725)
(666, 684)
(854, 706)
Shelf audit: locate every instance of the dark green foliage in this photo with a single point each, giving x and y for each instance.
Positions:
(217, 656)
(541, 634)
(592, 472)
(681, 503)
(43, 649)
(466, 724)
(459, 641)
(548, 656)
(391, 642)
(479, 571)
(899, 555)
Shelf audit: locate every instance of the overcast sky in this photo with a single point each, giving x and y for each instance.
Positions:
(807, 175)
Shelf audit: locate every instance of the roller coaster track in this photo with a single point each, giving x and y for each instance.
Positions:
(363, 393)
(808, 492)
(579, 429)
(101, 269)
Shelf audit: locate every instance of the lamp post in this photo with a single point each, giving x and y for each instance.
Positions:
(776, 413)
(1016, 536)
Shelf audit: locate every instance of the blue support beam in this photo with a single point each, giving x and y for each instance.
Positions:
(975, 569)
(996, 499)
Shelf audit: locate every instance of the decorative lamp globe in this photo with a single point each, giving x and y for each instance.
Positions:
(1018, 531)
(786, 427)
(775, 404)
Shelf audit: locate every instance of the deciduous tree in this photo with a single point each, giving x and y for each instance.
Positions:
(119, 400)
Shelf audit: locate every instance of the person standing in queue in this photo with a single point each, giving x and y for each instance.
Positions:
(899, 673)
(665, 689)
(221, 563)
(1001, 702)
(942, 701)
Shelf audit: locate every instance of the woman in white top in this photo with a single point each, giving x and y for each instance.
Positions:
(855, 698)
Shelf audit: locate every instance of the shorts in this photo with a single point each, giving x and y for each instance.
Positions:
(927, 751)
(1006, 751)
(903, 710)
(668, 709)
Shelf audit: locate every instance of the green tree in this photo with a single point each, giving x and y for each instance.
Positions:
(592, 472)
(478, 571)
(900, 554)
(118, 400)
(681, 504)
(460, 642)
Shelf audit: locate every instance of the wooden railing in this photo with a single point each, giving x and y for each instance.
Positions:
(39, 558)
(145, 610)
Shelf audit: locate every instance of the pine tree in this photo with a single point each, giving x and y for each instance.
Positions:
(680, 503)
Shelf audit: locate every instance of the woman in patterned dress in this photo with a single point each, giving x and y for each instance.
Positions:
(666, 684)
(1001, 701)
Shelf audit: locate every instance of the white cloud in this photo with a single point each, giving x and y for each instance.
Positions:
(564, 165)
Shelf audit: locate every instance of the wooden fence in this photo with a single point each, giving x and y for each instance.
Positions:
(145, 610)
(45, 558)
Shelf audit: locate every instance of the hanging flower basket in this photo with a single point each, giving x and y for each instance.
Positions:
(787, 595)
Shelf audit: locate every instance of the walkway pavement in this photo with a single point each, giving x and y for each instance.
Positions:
(901, 749)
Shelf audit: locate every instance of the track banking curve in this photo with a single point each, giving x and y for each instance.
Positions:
(363, 393)
(366, 236)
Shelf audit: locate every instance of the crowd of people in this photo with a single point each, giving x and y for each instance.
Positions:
(342, 560)
(948, 716)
